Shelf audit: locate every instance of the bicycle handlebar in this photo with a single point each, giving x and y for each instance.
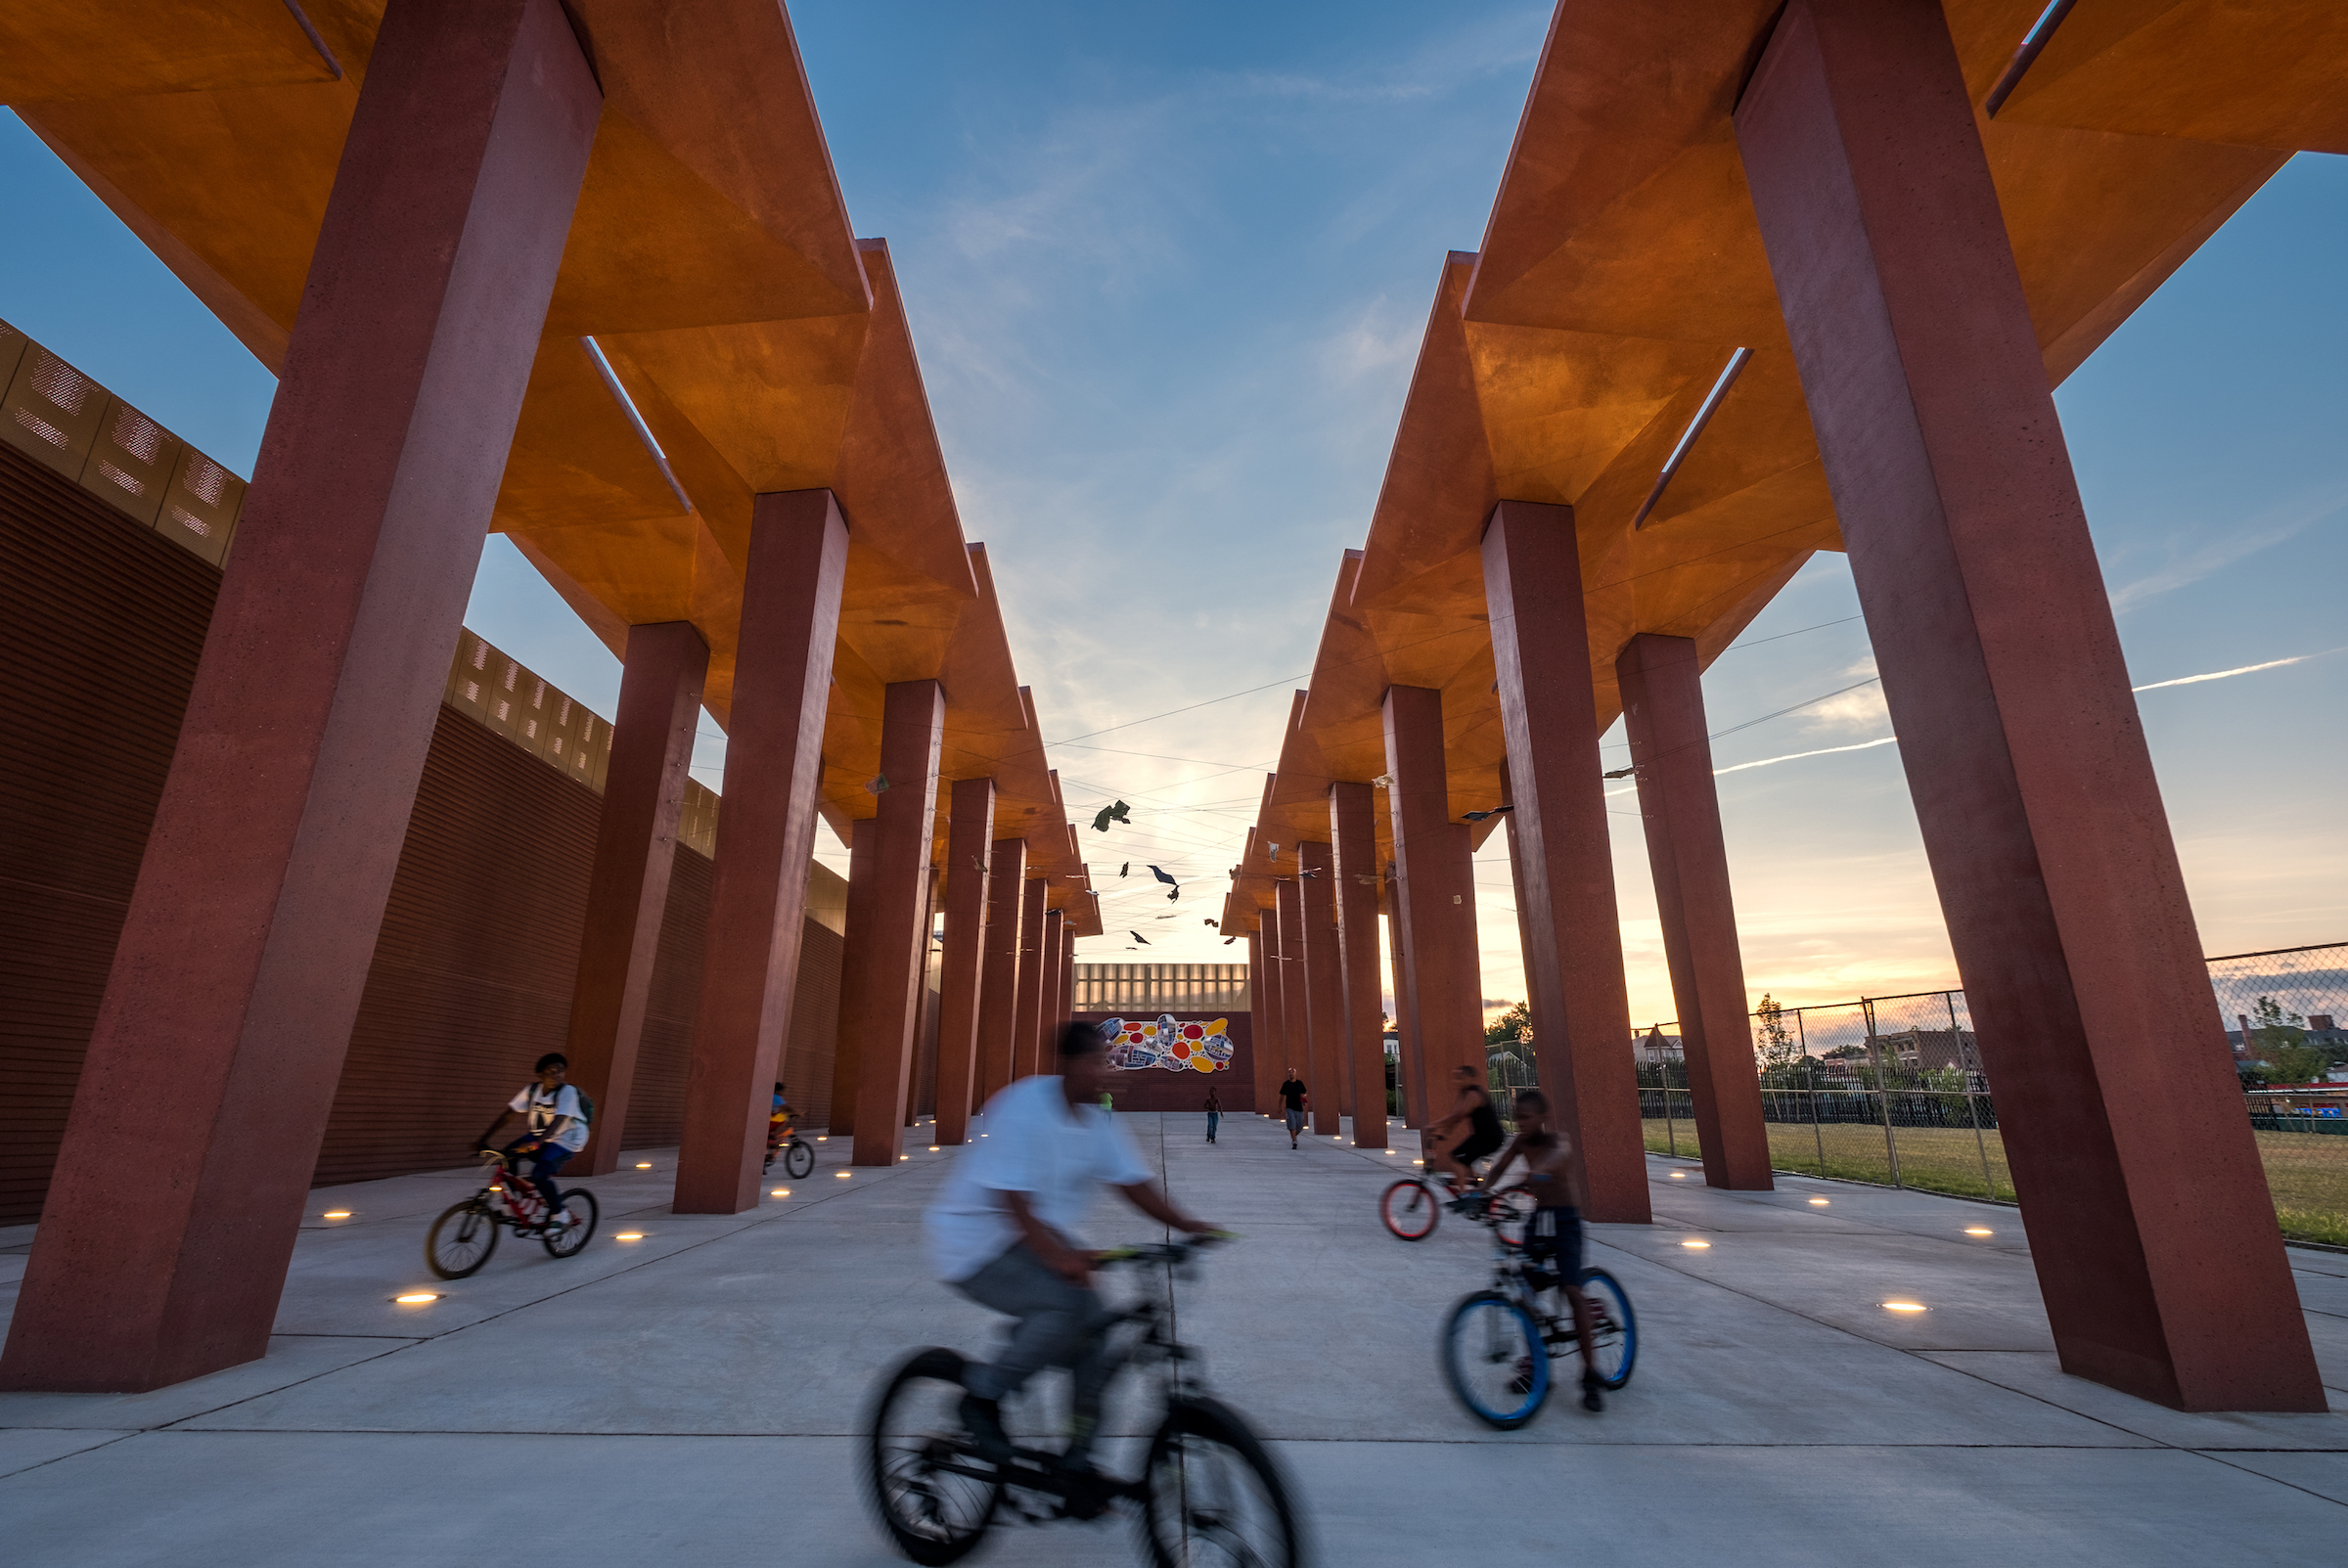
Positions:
(1163, 1251)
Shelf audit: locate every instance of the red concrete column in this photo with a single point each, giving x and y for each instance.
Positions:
(999, 985)
(883, 1007)
(1263, 1007)
(1296, 1001)
(1410, 1076)
(1272, 1004)
(1353, 830)
(1566, 857)
(627, 892)
(1027, 1026)
(1053, 1006)
(1663, 709)
(969, 833)
(765, 840)
(2150, 1221)
(1322, 980)
(1434, 886)
(856, 949)
(1067, 971)
(249, 935)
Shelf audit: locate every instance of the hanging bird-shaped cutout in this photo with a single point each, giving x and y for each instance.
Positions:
(1273, 850)
(1312, 872)
(1622, 773)
(879, 783)
(1122, 869)
(1120, 812)
(1480, 815)
(977, 865)
(1227, 941)
(1139, 937)
(1217, 924)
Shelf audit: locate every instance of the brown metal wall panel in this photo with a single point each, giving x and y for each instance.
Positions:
(657, 1111)
(814, 1024)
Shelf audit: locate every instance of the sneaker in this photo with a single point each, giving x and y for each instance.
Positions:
(1591, 1398)
(984, 1419)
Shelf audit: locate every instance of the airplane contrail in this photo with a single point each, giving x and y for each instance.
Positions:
(2220, 675)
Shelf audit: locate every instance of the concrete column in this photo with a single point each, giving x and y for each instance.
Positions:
(1353, 832)
(856, 953)
(627, 891)
(765, 839)
(1565, 859)
(2150, 1221)
(1663, 708)
(1262, 1004)
(1409, 1077)
(246, 943)
(1272, 1003)
(969, 833)
(1050, 1008)
(999, 985)
(1435, 895)
(1296, 1001)
(1067, 971)
(1322, 983)
(883, 1007)
(1027, 1025)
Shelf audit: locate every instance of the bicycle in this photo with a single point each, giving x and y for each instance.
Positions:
(1208, 1492)
(1499, 1341)
(1413, 1206)
(799, 1155)
(455, 1250)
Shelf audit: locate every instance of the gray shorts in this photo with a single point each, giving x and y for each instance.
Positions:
(1296, 1119)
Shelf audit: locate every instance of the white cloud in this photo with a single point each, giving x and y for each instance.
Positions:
(2214, 549)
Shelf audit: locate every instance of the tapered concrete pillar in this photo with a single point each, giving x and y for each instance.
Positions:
(880, 1005)
(627, 891)
(2151, 1225)
(765, 839)
(1272, 1015)
(1323, 983)
(1055, 928)
(1663, 709)
(1409, 1077)
(999, 985)
(1435, 895)
(1259, 1020)
(969, 834)
(1296, 1001)
(1027, 1027)
(1354, 876)
(1067, 971)
(246, 943)
(856, 953)
(1566, 857)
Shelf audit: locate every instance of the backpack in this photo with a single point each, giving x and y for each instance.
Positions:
(586, 1104)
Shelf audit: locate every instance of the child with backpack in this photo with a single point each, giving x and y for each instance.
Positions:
(557, 1116)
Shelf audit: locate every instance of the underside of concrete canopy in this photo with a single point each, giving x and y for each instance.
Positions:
(711, 264)
(1623, 268)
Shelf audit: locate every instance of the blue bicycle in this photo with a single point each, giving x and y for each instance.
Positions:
(1498, 1342)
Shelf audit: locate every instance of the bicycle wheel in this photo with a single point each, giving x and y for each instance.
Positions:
(461, 1240)
(572, 1239)
(934, 1497)
(1211, 1495)
(798, 1160)
(1511, 1211)
(1614, 1347)
(1495, 1360)
(1411, 1209)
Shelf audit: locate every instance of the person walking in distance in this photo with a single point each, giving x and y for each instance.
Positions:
(1214, 1112)
(1291, 1096)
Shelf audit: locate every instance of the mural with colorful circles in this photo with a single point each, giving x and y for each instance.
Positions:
(1177, 1044)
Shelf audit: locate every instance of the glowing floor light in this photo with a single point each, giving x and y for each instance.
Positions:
(416, 1298)
(1980, 1230)
(1819, 1203)
(843, 1175)
(337, 1214)
(1695, 1246)
(1903, 1305)
(644, 1165)
(629, 1236)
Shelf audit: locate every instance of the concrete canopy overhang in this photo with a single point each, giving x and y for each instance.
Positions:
(1622, 268)
(711, 260)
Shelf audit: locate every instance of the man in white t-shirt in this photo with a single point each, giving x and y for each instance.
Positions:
(555, 1118)
(1002, 1231)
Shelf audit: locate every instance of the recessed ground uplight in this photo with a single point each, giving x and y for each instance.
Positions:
(1418, 1162)
(417, 1298)
(1819, 1203)
(335, 1214)
(1679, 1176)
(1980, 1230)
(904, 1157)
(780, 1193)
(1695, 1246)
(1389, 1151)
(1903, 1305)
(629, 1236)
(933, 1149)
(644, 1165)
(822, 1138)
(843, 1175)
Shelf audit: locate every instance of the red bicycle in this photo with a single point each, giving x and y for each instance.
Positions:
(462, 1238)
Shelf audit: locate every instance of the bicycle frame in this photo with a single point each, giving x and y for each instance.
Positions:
(512, 1199)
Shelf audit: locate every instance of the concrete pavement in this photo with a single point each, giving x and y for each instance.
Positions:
(691, 1394)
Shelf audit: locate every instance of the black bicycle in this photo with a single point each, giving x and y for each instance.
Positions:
(1498, 1342)
(462, 1238)
(1208, 1494)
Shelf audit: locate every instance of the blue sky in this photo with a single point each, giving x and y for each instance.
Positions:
(1167, 269)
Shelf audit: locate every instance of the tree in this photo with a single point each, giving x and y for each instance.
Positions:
(2274, 1031)
(1775, 1044)
(1509, 1027)
(2297, 1064)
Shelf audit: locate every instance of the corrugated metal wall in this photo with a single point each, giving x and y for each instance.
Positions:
(102, 619)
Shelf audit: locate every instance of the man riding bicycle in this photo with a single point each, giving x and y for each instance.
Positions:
(1001, 1232)
(780, 1118)
(557, 1121)
(1475, 1107)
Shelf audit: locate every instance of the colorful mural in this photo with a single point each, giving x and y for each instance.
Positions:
(1178, 1044)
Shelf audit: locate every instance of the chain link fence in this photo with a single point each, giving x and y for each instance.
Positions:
(1890, 1089)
